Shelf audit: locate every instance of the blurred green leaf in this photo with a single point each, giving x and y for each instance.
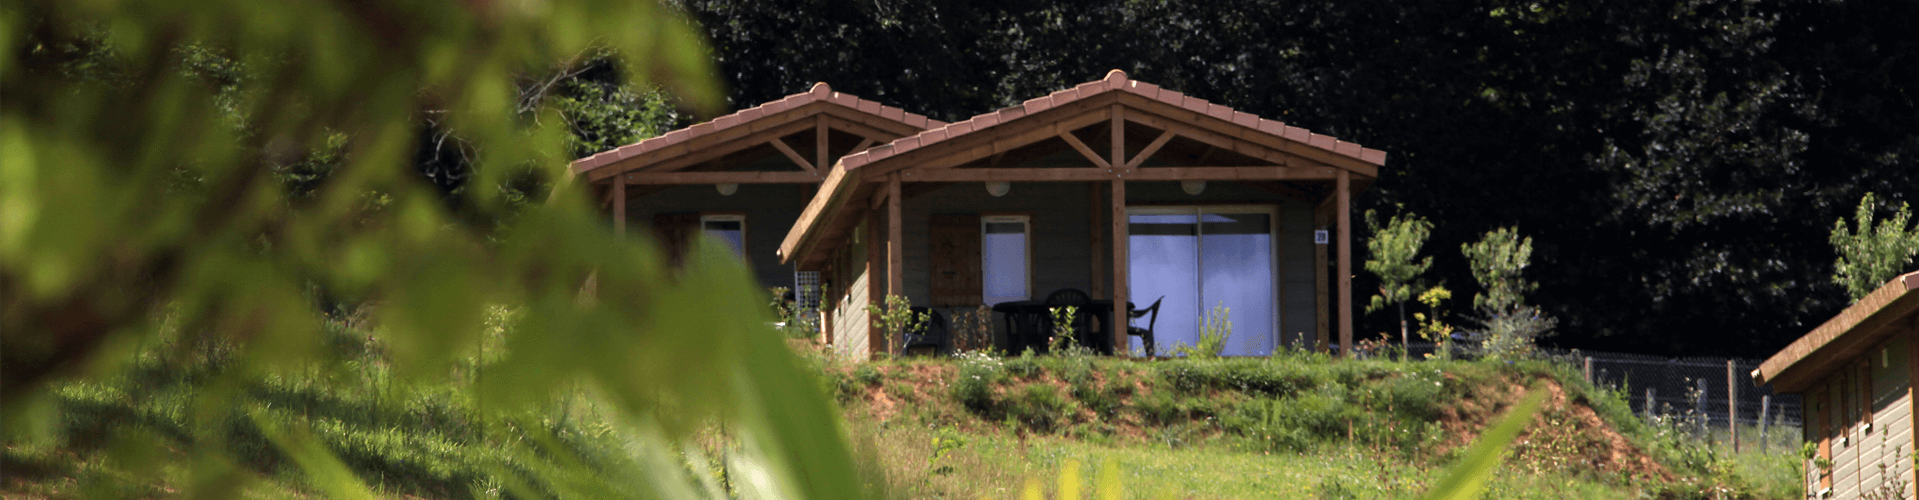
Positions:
(1466, 478)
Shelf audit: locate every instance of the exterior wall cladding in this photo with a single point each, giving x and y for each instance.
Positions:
(771, 210)
(1060, 226)
(1860, 447)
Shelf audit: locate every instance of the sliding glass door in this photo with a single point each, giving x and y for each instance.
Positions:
(1199, 258)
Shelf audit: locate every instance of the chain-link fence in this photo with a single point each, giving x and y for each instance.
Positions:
(1694, 388)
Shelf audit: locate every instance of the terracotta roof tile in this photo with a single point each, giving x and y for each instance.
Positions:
(870, 107)
(1322, 141)
(1372, 156)
(846, 100)
(916, 120)
(907, 143)
(1219, 111)
(1247, 120)
(1297, 134)
(1347, 148)
(1037, 105)
(1144, 89)
(895, 114)
(935, 135)
(1271, 127)
(727, 121)
(1012, 113)
(1092, 87)
(1191, 103)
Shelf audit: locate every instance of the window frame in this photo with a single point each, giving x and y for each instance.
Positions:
(1026, 219)
(745, 239)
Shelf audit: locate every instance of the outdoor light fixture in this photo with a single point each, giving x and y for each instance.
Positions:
(1192, 187)
(998, 188)
(727, 189)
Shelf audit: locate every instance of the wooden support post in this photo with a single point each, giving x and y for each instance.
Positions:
(1732, 404)
(1117, 219)
(1097, 238)
(1765, 409)
(876, 340)
(820, 164)
(895, 258)
(1343, 192)
(619, 205)
(1322, 283)
(1587, 369)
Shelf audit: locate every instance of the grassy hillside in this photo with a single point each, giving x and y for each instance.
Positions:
(1293, 426)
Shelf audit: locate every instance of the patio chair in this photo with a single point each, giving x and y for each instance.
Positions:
(1074, 297)
(932, 333)
(1152, 317)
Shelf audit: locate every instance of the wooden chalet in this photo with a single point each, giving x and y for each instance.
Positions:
(1855, 373)
(1117, 187)
(744, 177)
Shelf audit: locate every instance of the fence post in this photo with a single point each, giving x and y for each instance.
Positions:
(1732, 404)
(1649, 404)
(1702, 430)
(1587, 369)
(1765, 409)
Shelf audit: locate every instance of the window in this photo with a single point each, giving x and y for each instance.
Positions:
(730, 228)
(1004, 244)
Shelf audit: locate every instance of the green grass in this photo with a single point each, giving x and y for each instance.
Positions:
(1295, 426)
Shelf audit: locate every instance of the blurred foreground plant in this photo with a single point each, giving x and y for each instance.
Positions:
(241, 170)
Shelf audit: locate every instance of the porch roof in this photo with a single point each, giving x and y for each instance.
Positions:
(662, 158)
(1281, 152)
(1853, 332)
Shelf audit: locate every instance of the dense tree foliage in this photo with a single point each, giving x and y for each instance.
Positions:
(1678, 162)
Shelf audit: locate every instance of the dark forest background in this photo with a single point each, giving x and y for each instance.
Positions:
(1678, 164)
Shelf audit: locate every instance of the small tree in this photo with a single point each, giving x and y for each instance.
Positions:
(896, 319)
(1431, 327)
(1872, 255)
(1508, 326)
(1394, 251)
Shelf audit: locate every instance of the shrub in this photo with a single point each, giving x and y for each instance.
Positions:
(973, 382)
(1038, 406)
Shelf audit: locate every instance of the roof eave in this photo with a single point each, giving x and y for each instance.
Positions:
(1858, 327)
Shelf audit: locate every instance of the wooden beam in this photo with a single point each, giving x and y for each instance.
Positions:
(721, 178)
(895, 256)
(1080, 174)
(819, 150)
(1117, 220)
(872, 123)
(862, 129)
(1343, 190)
(680, 157)
(619, 209)
(1119, 139)
(1151, 148)
(1097, 238)
(1227, 128)
(1083, 150)
(1234, 173)
(864, 143)
(780, 144)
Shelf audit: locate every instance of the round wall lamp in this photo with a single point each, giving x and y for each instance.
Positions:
(727, 189)
(1192, 187)
(998, 188)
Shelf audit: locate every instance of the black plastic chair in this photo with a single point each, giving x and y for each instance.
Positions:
(1081, 321)
(932, 333)
(1152, 317)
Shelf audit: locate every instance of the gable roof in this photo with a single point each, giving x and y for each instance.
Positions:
(855, 175)
(699, 138)
(1116, 81)
(1865, 324)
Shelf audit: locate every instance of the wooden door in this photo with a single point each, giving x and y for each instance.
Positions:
(955, 260)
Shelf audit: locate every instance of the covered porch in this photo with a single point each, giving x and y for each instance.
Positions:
(1128, 192)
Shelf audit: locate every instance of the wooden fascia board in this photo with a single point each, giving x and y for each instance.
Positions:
(1852, 332)
(745, 177)
(879, 124)
(1230, 129)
